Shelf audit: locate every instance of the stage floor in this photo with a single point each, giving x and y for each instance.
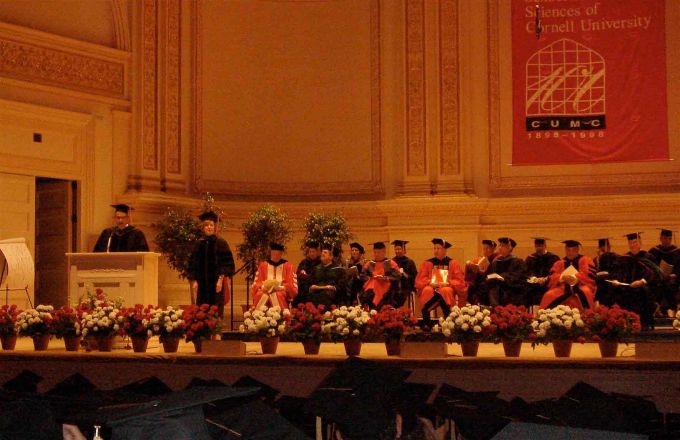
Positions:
(535, 375)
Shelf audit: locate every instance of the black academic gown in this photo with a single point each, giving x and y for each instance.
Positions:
(539, 266)
(354, 282)
(128, 239)
(305, 280)
(512, 290)
(327, 275)
(633, 267)
(667, 292)
(604, 264)
(407, 284)
(211, 258)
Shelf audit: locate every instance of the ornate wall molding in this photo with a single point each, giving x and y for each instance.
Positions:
(148, 95)
(504, 179)
(448, 65)
(367, 188)
(36, 57)
(171, 108)
(121, 23)
(416, 156)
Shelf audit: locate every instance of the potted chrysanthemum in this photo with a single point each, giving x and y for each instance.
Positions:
(169, 324)
(37, 323)
(510, 325)
(8, 326)
(609, 326)
(202, 322)
(66, 325)
(135, 322)
(349, 325)
(562, 326)
(392, 325)
(268, 324)
(102, 323)
(305, 325)
(467, 325)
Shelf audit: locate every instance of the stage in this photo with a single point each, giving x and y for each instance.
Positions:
(535, 375)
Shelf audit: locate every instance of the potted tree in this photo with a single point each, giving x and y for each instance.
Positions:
(325, 228)
(265, 225)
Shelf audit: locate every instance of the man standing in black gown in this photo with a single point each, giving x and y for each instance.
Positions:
(123, 237)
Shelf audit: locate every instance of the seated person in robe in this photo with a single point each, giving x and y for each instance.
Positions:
(380, 277)
(507, 276)
(440, 282)
(572, 280)
(275, 283)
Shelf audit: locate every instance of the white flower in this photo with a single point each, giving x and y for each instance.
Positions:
(477, 329)
(465, 327)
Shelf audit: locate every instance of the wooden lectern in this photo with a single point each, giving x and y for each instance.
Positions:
(132, 276)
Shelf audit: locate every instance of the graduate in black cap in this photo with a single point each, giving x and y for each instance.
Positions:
(381, 279)
(475, 273)
(408, 270)
(123, 237)
(507, 276)
(328, 281)
(576, 290)
(633, 278)
(210, 265)
(440, 282)
(355, 264)
(305, 270)
(275, 282)
(667, 256)
(538, 270)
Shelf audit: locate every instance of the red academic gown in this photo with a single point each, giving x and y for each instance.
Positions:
(380, 286)
(282, 271)
(561, 293)
(430, 271)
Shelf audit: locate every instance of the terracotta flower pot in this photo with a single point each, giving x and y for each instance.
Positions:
(170, 344)
(608, 348)
(311, 346)
(469, 348)
(512, 347)
(72, 342)
(352, 347)
(562, 347)
(393, 347)
(198, 345)
(139, 344)
(269, 344)
(40, 342)
(105, 343)
(9, 342)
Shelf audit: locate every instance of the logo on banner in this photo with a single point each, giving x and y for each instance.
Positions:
(565, 88)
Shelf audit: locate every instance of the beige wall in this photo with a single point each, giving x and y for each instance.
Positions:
(393, 111)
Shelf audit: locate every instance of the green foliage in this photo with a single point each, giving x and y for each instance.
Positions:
(326, 228)
(177, 234)
(266, 225)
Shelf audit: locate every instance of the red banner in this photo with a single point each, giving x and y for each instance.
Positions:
(591, 85)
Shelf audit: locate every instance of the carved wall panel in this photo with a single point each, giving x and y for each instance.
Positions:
(416, 157)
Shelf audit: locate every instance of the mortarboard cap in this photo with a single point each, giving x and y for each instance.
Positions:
(266, 391)
(666, 232)
(539, 240)
(378, 245)
(327, 246)
(312, 244)
(489, 243)
(633, 235)
(521, 430)
(401, 243)
(150, 386)
(208, 215)
(74, 385)
(358, 246)
(441, 242)
(122, 207)
(25, 382)
(276, 246)
(177, 415)
(507, 240)
(571, 243)
(601, 242)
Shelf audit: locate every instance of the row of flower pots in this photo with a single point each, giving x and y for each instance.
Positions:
(468, 325)
(100, 319)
